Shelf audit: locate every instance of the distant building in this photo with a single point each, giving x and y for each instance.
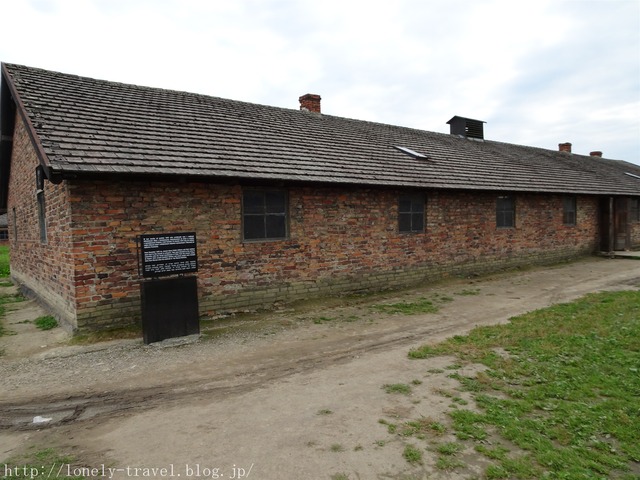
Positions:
(286, 204)
(4, 229)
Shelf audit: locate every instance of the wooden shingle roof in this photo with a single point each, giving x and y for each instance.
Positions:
(88, 126)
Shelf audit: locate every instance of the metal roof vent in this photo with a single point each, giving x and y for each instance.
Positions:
(467, 127)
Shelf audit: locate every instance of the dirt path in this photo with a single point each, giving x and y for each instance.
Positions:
(286, 395)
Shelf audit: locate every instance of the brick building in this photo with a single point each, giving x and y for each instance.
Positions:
(286, 204)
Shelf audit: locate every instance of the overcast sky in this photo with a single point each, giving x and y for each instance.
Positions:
(538, 72)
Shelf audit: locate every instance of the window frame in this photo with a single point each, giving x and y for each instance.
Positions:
(418, 205)
(569, 215)
(502, 212)
(265, 213)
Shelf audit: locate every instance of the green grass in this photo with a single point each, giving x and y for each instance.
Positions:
(4, 261)
(321, 320)
(46, 323)
(4, 300)
(339, 319)
(412, 454)
(468, 292)
(567, 395)
(420, 428)
(448, 463)
(449, 448)
(117, 333)
(340, 476)
(401, 388)
(47, 463)
(391, 427)
(420, 306)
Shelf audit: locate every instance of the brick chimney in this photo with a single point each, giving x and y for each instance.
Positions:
(596, 154)
(310, 102)
(565, 147)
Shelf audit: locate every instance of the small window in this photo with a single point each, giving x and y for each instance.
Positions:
(506, 212)
(264, 214)
(411, 213)
(569, 210)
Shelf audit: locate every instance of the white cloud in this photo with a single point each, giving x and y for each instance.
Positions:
(539, 73)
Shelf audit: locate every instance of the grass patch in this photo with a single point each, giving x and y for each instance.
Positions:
(401, 388)
(337, 447)
(340, 476)
(449, 448)
(47, 463)
(391, 427)
(448, 463)
(497, 453)
(4, 300)
(325, 411)
(15, 298)
(468, 292)
(419, 428)
(459, 401)
(420, 306)
(46, 323)
(569, 390)
(412, 454)
(321, 320)
(340, 318)
(438, 297)
(4, 261)
(120, 333)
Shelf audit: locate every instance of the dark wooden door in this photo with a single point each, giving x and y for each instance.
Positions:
(621, 223)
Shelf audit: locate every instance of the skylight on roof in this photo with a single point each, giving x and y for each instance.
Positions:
(632, 175)
(413, 153)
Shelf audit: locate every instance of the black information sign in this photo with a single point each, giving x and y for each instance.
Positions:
(168, 253)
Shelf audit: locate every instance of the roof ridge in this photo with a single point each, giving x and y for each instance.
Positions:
(90, 125)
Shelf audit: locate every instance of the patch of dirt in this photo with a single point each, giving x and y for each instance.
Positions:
(295, 393)
(27, 339)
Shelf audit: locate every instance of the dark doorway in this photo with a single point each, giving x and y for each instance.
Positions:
(614, 224)
(621, 231)
(169, 308)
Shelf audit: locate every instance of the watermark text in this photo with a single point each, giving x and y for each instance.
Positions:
(184, 470)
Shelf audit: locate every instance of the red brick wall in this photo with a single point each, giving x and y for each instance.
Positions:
(339, 240)
(45, 268)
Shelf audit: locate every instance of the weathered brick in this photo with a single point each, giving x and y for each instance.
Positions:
(341, 239)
